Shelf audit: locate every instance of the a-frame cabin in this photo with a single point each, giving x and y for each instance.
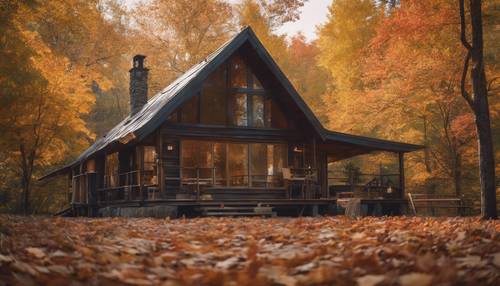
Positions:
(228, 136)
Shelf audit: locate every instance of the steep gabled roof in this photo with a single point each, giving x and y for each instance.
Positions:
(158, 107)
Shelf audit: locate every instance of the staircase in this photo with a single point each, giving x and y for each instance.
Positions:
(238, 210)
(67, 212)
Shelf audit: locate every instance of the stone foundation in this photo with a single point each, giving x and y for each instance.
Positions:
(152, 211)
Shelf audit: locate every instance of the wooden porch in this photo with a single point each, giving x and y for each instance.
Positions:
(297, 194)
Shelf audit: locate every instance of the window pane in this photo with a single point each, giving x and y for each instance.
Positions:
(267, 110)
(196, 157)
(213, 98)
(256, 83)
(257, 111)
(237, 164)
(111, 170)
(150, 165)
(238, 109)
(149, 157)
(279, 158)
(220, 164)
(258, 164)
(238, 73)
(190, 111)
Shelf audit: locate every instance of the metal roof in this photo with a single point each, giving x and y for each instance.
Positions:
(158, 107)
(370, 143)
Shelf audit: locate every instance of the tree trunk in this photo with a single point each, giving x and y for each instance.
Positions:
(483, 125)
(25, 180)
(457, 175)
(26, 194)
(486, 164)
(479, 104)
(427, 152)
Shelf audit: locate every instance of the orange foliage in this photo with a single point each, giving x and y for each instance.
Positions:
(249, 251)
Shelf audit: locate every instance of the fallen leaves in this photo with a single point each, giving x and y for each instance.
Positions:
(250, 251)
(415, 279)
(36, 252)
(370, 280)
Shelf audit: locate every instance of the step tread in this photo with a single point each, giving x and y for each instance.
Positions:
(226, 208)
(238, 214)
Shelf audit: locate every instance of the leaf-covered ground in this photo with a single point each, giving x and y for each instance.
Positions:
(249, 251)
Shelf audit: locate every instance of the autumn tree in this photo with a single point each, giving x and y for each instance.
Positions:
(310, 79)
(173, 42)
(41, 116)
(478, 103)
(403, 83)
(93, 35)
(264, 24)
(349, 28)
(412, 83)
(60, 52)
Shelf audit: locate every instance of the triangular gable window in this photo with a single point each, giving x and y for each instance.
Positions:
(232, 96)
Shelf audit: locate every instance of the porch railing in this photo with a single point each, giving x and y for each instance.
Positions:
(368, 185)
(79, 187)
(128, 186)
(198, 178)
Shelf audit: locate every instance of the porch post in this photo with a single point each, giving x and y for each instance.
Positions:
(401, 173)
(141, 172)
(314, 154)
(159, 164)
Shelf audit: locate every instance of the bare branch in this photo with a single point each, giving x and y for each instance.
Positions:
(463, 37)
(465, 94)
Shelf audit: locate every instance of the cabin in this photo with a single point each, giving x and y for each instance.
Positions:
(231, 136)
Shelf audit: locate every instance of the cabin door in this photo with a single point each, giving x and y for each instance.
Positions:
(171, 166)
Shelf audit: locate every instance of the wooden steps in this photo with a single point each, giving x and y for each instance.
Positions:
(241, 210)
(218, 193)
(67, 212)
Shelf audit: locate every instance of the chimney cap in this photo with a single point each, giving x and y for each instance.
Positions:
(138, 61)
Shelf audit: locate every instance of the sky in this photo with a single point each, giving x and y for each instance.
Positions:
(312, 14)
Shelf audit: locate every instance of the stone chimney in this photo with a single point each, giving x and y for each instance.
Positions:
(138, 84)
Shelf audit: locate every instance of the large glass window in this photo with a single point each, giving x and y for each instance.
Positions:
(238, 72)
(196, 158)
(150, 165)
(232, 95)
(276, 159)
(258, 164)
(111, 170)
(238, 109)
(232, 164)
(256, 83)
(213, 98)
(238, 164)
(220, 163)
(258, 111)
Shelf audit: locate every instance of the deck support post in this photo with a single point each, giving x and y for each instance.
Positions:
(401, 173)
(159, 164)
(141, 173)
(314, 154)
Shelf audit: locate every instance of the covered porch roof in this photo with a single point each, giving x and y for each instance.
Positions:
(342, 146)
